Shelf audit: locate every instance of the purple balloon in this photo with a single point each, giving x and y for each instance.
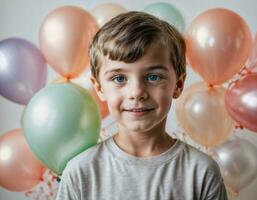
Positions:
(23, 70)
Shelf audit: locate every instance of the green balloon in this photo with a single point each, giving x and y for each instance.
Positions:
(60, 121)
(168, 13)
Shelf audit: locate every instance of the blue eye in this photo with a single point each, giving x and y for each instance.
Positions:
(153, 77)
(118, 79)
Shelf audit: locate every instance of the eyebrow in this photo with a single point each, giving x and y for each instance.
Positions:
(151, 68)
(161, 67)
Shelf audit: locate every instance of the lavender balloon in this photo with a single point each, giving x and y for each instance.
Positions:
(22, 70)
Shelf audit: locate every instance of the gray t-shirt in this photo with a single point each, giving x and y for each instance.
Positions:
(105, 172)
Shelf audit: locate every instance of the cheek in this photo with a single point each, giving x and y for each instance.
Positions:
(113, 99)
(164, 96)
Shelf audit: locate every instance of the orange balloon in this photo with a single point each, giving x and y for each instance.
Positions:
(64, 38)
(201, 112)
(20, 170)
(218, 44)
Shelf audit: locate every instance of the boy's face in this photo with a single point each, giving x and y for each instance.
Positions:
(139, 94)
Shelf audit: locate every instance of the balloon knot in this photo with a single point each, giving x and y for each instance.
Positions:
(238, 126)
(211, 85)
(58, 179)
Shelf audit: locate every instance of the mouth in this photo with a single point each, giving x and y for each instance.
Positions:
(139, 111)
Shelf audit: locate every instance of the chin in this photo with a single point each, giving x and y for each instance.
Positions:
(138, 128)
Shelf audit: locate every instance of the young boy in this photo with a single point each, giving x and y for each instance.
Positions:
(138, 67)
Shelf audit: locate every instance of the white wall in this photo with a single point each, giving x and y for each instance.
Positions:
(23, 18)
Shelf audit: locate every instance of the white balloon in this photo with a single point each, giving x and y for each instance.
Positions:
(237, 159)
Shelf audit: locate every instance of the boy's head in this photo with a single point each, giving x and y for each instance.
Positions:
(128, 36)
(138, 66)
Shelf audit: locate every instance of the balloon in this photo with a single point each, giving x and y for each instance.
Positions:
(106, 11)
(238, 163)
(252, 60)
(59, 122)
(64, 39)
(19, 168)
(201, 112)
(22, 70)
(218, 44)
(168, 13)
(241, 101)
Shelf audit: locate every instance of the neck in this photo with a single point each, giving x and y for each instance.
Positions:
(144, 144)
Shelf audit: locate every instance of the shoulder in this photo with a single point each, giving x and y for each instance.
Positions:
(205, 172)
(200, 160)
(86, 158)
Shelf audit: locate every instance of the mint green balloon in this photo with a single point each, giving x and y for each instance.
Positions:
(168, 13)
(59, 122)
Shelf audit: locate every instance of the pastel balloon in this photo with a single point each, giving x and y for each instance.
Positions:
(201, 113)
(241, 101)
(20, 170)
(106, 11)
(64, 38)
(59, 122)
(168, 13)
(238, 163)
(218, 43)
(23, 70)
(252, 60)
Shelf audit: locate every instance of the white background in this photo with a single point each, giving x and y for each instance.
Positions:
(23, 18)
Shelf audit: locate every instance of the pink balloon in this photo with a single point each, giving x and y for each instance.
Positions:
(241, 101)
(19, 168)
(218, 44)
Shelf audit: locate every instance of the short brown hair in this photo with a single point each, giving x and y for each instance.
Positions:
(128, 36)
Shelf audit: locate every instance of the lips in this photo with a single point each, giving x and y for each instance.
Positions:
(138, 109)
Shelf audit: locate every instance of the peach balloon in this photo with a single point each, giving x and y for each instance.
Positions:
(20, 170)
(64, 38)
(106, 11)
(251, 63)
(201, 112)
(218, 44)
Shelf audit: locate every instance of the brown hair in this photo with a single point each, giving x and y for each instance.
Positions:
(128, 36)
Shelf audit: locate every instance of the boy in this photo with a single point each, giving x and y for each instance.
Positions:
(138, 67)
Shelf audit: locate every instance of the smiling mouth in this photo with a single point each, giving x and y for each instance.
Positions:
(139, 111)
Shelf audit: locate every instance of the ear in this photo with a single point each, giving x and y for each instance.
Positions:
(98, 88)
(179, 86)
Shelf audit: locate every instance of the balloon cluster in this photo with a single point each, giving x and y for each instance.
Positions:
(63, 119)
(218, 44)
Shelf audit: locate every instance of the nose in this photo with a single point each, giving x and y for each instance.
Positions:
(137, 91)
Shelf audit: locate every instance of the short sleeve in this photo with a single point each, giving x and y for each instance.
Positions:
(214, 188)
(66, 190)
(219, 192)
